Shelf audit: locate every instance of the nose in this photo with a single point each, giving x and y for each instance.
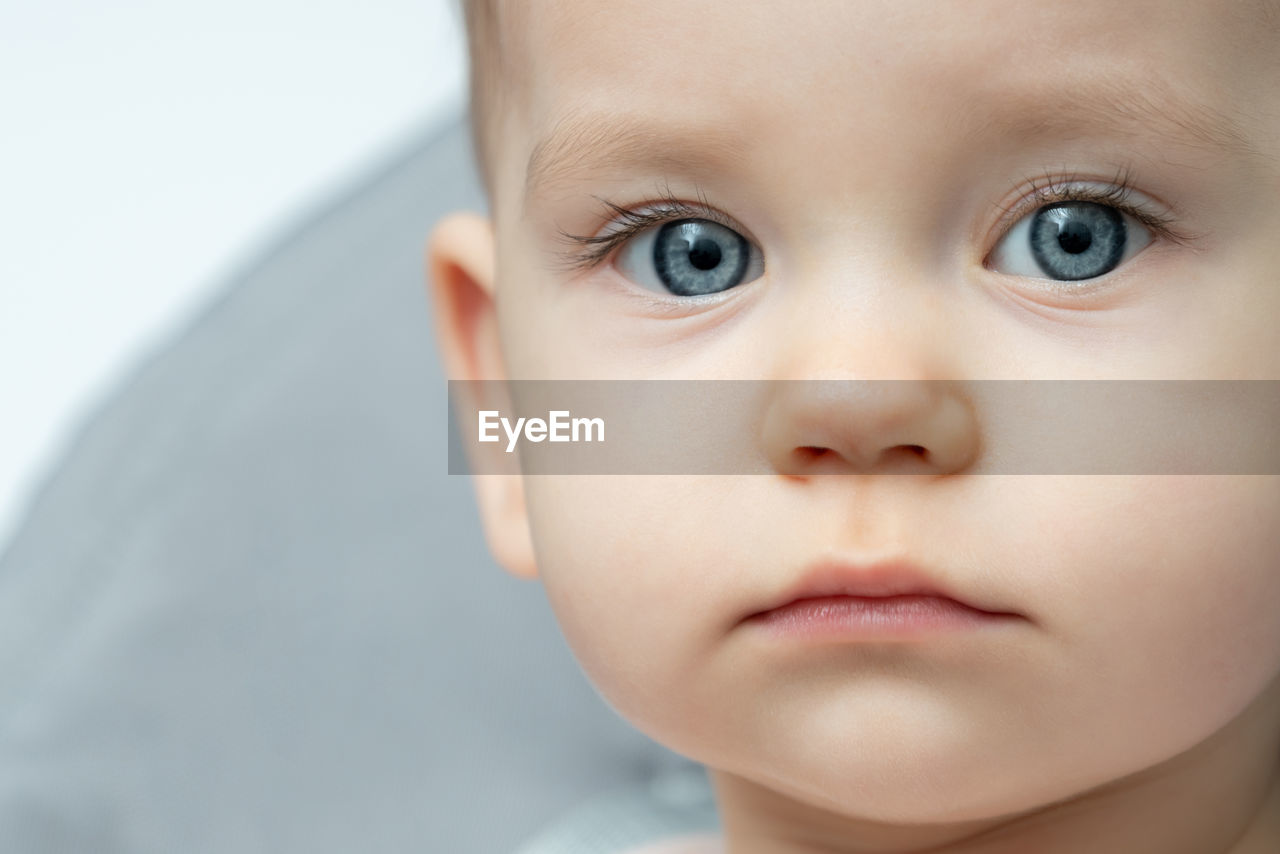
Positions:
(869, 426)
(832, 413)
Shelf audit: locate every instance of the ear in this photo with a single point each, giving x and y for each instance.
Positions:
(460, 281)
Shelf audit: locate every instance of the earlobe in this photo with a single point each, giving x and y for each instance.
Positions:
(462, 289)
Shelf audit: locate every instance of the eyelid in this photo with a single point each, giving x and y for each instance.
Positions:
(588, 251)
(1118, 193)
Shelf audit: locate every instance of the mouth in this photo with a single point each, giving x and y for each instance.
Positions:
(880, 600)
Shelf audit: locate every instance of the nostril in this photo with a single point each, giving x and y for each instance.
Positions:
(906, 457)
(807, 457)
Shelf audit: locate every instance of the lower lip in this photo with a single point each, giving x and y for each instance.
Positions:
(879, 617)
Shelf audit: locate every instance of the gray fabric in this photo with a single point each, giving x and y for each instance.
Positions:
(251, 613)
(678, 803)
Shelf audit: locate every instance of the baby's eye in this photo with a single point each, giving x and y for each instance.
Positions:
(690, 257)
(1069, 241)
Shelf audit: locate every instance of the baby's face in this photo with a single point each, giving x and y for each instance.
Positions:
(861, 178)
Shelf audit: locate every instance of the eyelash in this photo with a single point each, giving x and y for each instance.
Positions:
(1118, 194)
(589, 251)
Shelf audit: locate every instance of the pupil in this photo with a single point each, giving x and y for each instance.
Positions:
(1074, 237)
(704, 254)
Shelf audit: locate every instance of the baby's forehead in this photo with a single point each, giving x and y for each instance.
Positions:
(692, 69)
(675, 35)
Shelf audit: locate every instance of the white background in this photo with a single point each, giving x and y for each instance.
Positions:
(149, 149)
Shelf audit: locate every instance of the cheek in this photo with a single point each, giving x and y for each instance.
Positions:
(1160, 595)
(628, 564)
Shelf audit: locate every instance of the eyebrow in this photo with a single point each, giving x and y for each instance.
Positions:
(1124, 108)
(585, 140)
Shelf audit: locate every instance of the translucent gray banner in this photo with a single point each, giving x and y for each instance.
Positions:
(803, 427)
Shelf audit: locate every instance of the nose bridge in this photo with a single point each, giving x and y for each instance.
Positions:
(862, 320)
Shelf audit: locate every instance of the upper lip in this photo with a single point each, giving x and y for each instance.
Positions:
(894, 577)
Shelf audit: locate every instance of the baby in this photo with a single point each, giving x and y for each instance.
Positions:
(952, 662)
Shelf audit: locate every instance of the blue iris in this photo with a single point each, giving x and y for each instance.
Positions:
(693, 257)
(1077, 240)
